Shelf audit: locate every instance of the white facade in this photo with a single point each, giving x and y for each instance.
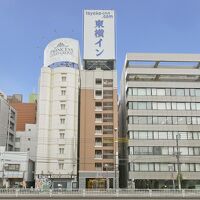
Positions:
(15, 168)
(27, 140)
(57, 125)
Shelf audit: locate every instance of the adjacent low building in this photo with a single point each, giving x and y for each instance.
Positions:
(160, 121)
(16, 169)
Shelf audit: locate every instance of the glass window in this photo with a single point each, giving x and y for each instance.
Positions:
(189, 134)
(135, 105)
(154, 105)
(194, 120)
(161, 92)
(198, 120)
(162, 135)
(131, 136)
(130, 150)
(142, 105)
(155, 120)
(161, 120)
(183, 150)
(168, 106)
(98, 81)
(170, 135)
(185, 167)
(196, 151)
(156, 135)
(167, 92)
(135, 120)
(195, 136)
(181, 120)
(136, 135)
(171, 151)
(173, 92)
(192, 92)
(197, 167)
(143, 135)
(174, 120)
(154, 92)
(130, 105)
(129, 91)
(142, 120)
(187, 93)
(193, 106)
(191, 167)
(136, 150)
(187, 106)
(197, 92)
(141, 92)
(180, 92)
(150, 135)
(189, 120)
(136, 167)
(143, 166)
(148, 91)
(168, 120)
(130, 120)
(164, 150)
(151, 167)
(134, 91)
(149, 106)
(149, 120)
(198, 106)
(173, 106)
(161, 106)
(190, 151)
(180, 106)
(157, 167)
(64, 78)
(164, 167)
(157, 150)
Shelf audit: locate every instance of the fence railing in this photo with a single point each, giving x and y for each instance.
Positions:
(141, 193)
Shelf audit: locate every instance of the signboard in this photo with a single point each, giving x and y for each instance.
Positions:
(99, 34)
(61, 50)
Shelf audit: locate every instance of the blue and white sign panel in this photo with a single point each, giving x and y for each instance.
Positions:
(99, 34)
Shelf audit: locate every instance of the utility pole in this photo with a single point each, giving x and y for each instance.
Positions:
(178, 161)
(116, 164)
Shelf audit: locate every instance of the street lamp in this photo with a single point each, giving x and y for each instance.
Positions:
(116, 164)
(178, 161)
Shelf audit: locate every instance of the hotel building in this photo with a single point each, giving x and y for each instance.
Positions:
(98, 142)
(57, 117)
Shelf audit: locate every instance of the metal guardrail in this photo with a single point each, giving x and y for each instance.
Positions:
(36, 193)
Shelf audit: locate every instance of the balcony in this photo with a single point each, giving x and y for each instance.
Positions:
(98, 156)
(98, 108)
(98, 120)
(98, 144)
(98, 132)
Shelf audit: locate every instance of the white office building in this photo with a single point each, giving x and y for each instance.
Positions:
(160, 120)
(57, 116)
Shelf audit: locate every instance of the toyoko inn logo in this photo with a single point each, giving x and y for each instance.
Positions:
(61, 49)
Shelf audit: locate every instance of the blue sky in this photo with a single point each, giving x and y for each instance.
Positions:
(166, 26)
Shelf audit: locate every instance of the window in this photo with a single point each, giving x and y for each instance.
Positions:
(107, 82)
(61, 166)
(107, 94)
(62, 135)
(12, 167)
(98, 166)
(63, 92)
(62, 120)
(161, 92)
(61, 150)
(98, 93)
(141, 92)
(98, 81)
(64, 78)
(62, 106)
(17, 139)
